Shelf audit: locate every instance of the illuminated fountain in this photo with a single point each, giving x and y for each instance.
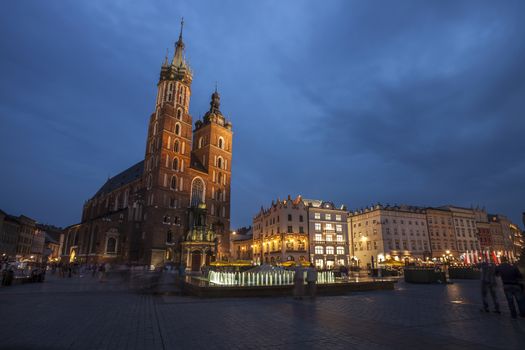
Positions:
(264, 275)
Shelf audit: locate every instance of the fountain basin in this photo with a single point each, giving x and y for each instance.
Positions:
(204, 289)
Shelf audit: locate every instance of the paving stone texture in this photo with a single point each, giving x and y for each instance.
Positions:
(82, 313)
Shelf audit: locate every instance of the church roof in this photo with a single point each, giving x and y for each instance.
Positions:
(131, 174)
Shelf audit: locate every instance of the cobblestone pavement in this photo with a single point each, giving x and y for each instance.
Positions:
(81, 313)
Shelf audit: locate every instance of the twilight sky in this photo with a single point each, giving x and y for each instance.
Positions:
(357, 102)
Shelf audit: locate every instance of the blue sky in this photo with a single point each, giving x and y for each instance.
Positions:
(357, 102)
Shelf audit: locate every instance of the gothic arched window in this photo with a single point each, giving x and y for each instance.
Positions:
(179, 114)
(219, 163)
(177, 129)
(169, 237)
(197, 192)
(176, 146)
(173, 182)
(175, 164)
(111, 245)
(221, 143)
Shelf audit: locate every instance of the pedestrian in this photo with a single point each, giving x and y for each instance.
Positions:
(298, 281)
(488, 285)
(182, 277)
(311, 279)
(101, 273)
(511, 278)
(344, 271)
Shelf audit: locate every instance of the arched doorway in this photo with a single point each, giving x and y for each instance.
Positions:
(196, 260)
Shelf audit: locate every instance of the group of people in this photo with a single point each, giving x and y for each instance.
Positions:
(299, 279)
(70, 269)
(512, 281)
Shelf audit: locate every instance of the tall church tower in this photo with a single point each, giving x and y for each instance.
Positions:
(168, 154)
(186, 174)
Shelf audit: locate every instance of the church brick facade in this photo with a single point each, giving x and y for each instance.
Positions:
(174, 206)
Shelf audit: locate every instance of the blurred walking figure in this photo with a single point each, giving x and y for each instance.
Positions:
(298, 281)
(512, 286)
(311, 279)
(182, 277)
(488, 285)
(102, 273)
(344, 271)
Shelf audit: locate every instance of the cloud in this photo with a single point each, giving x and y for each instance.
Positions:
(354, 102)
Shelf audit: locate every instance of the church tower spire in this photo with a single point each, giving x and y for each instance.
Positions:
(178, 56)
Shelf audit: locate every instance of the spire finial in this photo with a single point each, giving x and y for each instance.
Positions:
(216, 86)
(178, 58)
(166, 58)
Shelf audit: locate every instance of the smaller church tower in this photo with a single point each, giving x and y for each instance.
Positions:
(212, 147)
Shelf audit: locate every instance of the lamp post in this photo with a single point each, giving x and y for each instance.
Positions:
(232, 250)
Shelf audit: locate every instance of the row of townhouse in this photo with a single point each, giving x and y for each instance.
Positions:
(23, 239)
(301, 230)
(329, 236)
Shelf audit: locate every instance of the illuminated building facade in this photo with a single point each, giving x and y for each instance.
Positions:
(382, 233)
(280, 232)
(518, 241)
(16, 237)
(328, 234)
(464, 220)
(441, 234)
(175, 204)
(241, 245)
(505, 236)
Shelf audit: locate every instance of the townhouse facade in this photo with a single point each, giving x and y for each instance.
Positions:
(280, 232)
(380, 233)
(328, 234)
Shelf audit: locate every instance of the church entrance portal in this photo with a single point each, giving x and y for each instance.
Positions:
(195, 260)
